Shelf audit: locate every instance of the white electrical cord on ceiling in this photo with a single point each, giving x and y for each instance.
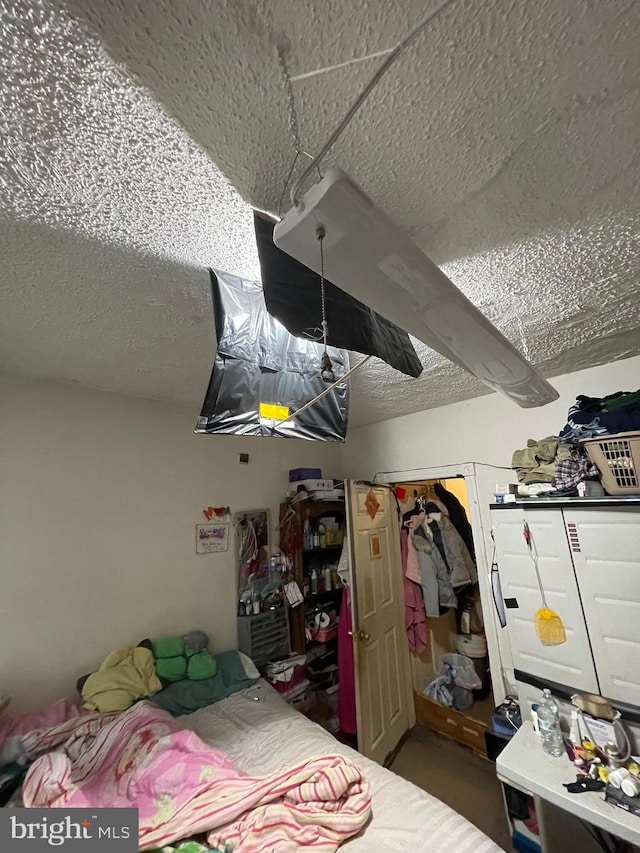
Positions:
(324, 393)
(395, 53)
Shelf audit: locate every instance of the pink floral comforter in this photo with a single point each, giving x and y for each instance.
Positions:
(19, 724)
(141, 758)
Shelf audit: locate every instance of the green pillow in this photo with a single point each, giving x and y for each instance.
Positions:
(200, 666)
(172, 669)
(184, 697)
(168, 647)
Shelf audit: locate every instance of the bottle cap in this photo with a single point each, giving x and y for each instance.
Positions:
(630, 786)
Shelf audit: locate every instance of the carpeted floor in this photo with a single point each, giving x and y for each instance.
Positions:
(458, 777)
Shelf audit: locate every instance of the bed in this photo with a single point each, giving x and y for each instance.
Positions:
(261, 734)
(248, 769)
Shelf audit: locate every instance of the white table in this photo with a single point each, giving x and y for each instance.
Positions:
(524, 764)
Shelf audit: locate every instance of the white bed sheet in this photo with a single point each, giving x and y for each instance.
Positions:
(261, 734)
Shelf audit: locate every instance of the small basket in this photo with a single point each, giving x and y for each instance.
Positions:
(323, 635)
(617, 457)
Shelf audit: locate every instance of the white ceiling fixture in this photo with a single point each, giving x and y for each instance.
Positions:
(369, 257)
(376, 262)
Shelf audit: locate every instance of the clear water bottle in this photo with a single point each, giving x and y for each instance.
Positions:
(549, 724)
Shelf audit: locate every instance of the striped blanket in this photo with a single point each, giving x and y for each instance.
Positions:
(140, 758)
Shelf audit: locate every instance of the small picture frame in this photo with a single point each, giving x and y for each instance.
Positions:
(375, 548)
(212, 538)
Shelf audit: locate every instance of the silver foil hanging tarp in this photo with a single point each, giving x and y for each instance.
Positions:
(261, 369)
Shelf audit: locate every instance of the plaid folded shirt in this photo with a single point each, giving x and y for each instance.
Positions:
(573, 470)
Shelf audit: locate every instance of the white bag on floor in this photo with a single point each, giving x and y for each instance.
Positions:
(461, 669)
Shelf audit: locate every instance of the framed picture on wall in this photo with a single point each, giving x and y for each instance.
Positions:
(212, 538)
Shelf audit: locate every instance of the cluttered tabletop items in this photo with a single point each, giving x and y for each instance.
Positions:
(589, 771)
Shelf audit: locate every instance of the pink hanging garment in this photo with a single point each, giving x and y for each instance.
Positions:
(346, 669)
(415, 619)
(410, 562)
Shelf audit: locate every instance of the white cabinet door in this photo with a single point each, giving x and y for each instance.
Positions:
(570, 663)
(606, 553)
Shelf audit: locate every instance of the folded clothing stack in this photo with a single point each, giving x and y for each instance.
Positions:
(184, 657)
(536, 463)
(593, 416)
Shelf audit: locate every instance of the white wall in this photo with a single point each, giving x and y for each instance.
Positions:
(486, 429)
(100, 496)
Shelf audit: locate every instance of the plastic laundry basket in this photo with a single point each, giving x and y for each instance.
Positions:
(462, 669)
(617, 457)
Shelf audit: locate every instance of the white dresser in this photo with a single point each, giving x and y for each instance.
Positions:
(589, 560)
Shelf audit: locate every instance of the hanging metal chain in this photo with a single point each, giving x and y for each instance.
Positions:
(321, 332)
(320, 233)
(326, 365)
(295, 129)
(293, 115)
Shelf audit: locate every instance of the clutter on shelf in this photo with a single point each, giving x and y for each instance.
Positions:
(312, 536)
(286, 673)
(597, 744)
(597, 451)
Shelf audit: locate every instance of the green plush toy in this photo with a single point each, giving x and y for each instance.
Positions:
(184, 657)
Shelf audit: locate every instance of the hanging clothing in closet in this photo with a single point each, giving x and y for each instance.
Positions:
(462, 569)
(414, 616)
(438, 564)
(458, 516)
(437, 589)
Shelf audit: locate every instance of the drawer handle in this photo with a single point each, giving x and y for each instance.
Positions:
(451, 721)
(470, 731)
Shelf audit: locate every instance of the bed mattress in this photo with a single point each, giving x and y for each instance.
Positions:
(261, 734)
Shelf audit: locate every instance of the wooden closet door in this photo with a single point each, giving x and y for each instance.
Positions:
(381, 650)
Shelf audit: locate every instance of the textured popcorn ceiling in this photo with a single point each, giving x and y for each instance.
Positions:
(505, 141)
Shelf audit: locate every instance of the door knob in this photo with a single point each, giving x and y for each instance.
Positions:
(361, 635)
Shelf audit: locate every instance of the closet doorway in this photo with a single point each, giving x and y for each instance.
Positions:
(470, 625)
